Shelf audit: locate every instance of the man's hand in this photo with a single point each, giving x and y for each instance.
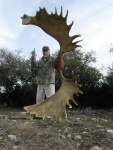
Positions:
(58, 63)
(33, 53)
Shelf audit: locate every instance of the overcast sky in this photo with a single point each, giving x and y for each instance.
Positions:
(93, 20)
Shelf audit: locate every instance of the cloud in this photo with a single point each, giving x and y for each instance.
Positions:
(52, 1)
(10, 21)
(2, 41)
(93, 21)
(6, 37)
(6, 34)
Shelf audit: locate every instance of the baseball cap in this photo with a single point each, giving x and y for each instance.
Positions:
(45, 48)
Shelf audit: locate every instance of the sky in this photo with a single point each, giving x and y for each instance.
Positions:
(93, 20)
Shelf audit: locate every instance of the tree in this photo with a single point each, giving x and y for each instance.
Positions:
(15, 73)
(80, 64)
(109, 77)
(90, 78)
(18, 87)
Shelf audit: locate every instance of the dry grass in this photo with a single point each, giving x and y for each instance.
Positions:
(33, 134)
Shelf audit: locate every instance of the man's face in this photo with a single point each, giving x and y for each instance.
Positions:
(46, 53)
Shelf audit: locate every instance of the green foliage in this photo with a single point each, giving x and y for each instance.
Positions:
(109, 77)
(18, 87)
(15, 74)
(80, 64)
(109, 82)
(91, 80)
(14, 68)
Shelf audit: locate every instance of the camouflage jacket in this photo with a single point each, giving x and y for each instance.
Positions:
(43, 69)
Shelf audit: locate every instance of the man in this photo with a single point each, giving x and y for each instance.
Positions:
(45, 74)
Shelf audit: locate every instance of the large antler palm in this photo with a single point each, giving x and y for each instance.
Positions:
(55, 25)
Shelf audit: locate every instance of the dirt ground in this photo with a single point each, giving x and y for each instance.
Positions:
(84, 129)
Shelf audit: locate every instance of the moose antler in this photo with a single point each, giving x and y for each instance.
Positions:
(55, 25)
(55, 106)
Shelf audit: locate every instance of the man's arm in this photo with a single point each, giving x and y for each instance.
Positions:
(33, 62)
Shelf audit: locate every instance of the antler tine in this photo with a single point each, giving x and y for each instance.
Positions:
(78, 46)
(55, 11)
(69, 27)
(61, 12)
(75, 36)
(77, 42)
(75, 78)
(66, 15)
(44, 9)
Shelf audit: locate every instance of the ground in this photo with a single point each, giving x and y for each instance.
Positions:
(84, 129)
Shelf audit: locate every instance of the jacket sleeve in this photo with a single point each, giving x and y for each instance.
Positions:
(34, 67)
